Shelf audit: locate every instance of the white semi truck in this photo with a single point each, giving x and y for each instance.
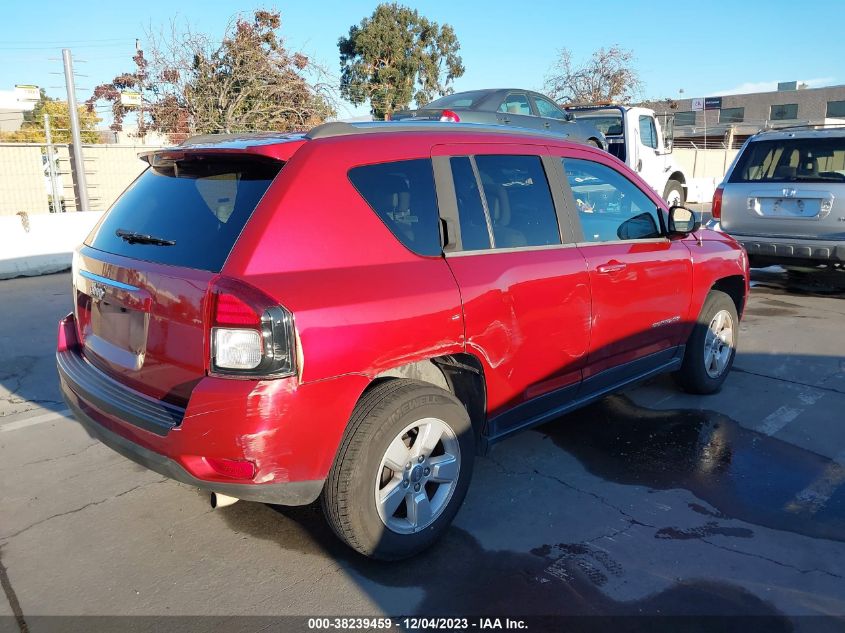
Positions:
(643, 140)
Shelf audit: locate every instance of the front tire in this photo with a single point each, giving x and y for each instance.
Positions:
(402, 470)
(673, 194)
(711, 347)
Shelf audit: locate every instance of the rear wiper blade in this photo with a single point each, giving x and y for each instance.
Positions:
(140, 238)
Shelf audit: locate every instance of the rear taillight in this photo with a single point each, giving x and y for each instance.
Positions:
(716, 208)
(449, 117)
(251, 336)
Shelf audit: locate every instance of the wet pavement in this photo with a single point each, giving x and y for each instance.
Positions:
(648, 503)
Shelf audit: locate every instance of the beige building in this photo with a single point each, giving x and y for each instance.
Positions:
(728, 120)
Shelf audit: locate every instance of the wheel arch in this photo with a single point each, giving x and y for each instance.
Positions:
(734, 287)
(460, 374)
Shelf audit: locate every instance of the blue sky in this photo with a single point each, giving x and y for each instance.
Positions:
(705, 48)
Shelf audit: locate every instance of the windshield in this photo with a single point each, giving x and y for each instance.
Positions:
(187, 212)
(792, 160)
(458, 100)
(609, 125)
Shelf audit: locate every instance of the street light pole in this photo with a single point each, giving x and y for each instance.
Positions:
(78, 162)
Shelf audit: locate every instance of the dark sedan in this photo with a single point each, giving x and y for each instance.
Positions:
(506, 106)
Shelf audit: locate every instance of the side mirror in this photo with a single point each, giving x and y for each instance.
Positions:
(682, 221)
(569, 116)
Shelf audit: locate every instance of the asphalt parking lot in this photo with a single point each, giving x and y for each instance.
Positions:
(647, 503)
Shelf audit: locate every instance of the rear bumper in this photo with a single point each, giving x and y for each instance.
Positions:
(792, 248)
(290, 493)
(289, 431)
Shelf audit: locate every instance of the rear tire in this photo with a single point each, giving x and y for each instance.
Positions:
(673, 194)
(593, 143)
(402, 470)
(711, 347)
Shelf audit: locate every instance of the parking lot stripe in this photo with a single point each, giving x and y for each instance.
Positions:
(778, 419)
(32, 421)
(814, 497)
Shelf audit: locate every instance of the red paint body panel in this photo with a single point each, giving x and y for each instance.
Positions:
(536, 319)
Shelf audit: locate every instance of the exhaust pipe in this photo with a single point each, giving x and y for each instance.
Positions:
(221, 501)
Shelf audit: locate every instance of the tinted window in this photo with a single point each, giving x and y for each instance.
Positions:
(792, 160)
(519, 201)
(402, 194)
(516, 104)
(685, 118)
(610, 207)
(648, 133)
(200, 203)
(836, 109)
(731, 115)
(474, 233)
(458, 100)
(548, 109)
(784, 112)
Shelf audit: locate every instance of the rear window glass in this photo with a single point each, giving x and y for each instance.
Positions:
(792, 160)
(402, 194)
(200, 204)
(459, 100)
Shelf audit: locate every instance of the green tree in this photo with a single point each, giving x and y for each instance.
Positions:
(396, 55)
(32, 129)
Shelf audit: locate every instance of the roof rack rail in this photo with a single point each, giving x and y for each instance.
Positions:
(338, 128)
(805, 126)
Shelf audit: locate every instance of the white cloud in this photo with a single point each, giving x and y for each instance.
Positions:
(771, 86)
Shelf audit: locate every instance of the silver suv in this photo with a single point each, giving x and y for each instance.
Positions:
(783, 198)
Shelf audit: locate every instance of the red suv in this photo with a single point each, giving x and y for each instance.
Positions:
(353, 313)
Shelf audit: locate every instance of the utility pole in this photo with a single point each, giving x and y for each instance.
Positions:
(51, 168)
(77, 163)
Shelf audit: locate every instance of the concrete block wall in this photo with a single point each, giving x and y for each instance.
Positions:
(24, 185)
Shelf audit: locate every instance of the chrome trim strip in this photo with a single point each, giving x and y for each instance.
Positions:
(513, 249)
(107, 281)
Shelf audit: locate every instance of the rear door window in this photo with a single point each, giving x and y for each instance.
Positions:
(519, 201)
(402, 194)
(516, 104)
(475, 234)
(197, 205)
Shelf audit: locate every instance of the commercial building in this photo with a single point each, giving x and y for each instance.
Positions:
(726, 121)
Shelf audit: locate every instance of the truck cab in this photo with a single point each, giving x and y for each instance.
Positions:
(642, 140)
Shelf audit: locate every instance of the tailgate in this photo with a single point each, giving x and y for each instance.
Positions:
(803, 211)
(142, 323)
(141, 280)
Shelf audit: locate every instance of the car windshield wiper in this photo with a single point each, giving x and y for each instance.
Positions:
(140, 238)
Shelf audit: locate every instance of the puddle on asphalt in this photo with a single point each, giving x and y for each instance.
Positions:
(743, 474)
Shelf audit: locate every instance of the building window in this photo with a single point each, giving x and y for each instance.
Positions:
(836, 109)
(785, 112)
(731, 115)
(685, 118)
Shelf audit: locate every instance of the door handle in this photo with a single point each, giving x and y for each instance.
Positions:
(547, 124)
(506, 120)
(611, 267)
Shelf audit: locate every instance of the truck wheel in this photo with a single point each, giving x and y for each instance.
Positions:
(674, 193)
(711, 347)
(402, 470)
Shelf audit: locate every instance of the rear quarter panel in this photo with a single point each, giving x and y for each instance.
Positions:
(362, 302)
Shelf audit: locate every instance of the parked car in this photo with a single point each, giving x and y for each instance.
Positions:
(783, 198)
(352, 314)
(507, 106)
